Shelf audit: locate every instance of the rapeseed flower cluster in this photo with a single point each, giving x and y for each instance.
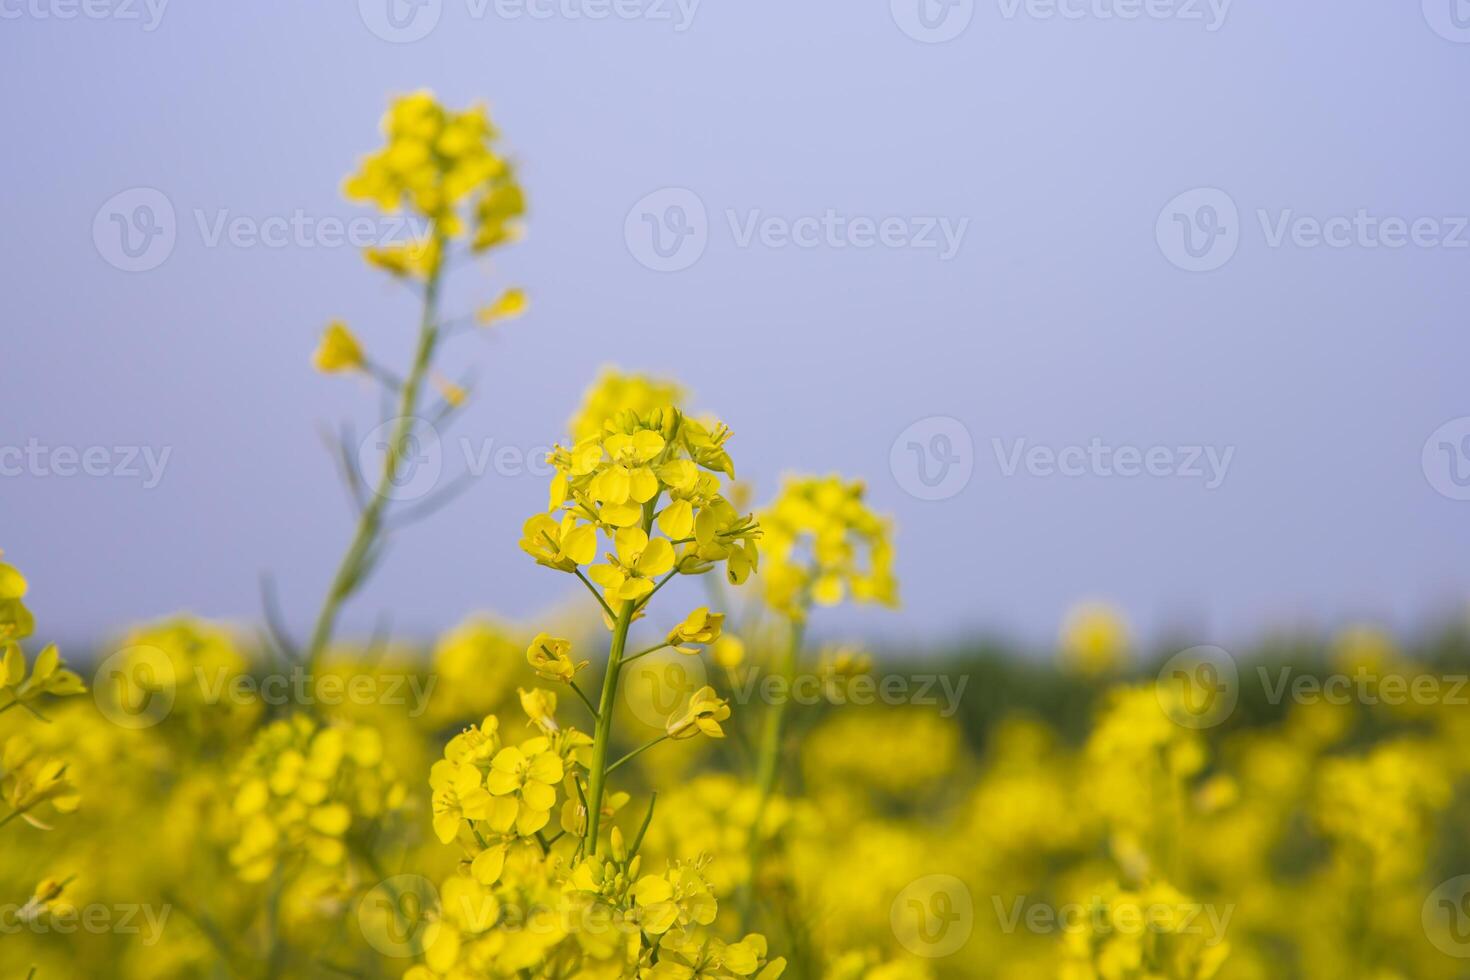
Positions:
(825, 545)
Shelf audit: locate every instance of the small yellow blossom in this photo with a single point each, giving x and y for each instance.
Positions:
(700, 626)
(550, 657)
(338, 351)
(703, 714)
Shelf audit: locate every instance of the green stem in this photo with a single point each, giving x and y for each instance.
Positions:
(596, 595)
(597, 778)
(644, 653)
(370, 521)
(15, 813)
(647, 819)
(597, 775)
(637, 752)
(585, 700)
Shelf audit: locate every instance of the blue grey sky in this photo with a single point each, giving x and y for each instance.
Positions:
(992, 257)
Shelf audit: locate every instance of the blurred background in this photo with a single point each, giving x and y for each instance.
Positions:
(1209, 260)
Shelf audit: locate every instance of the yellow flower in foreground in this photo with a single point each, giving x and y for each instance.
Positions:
(704, 713)
(32, 779)
(700, 626)
(562, 545)
(458, 794)
(550, 657)
(629, 477)
(338, 350)
(523, 781)
(638, 561)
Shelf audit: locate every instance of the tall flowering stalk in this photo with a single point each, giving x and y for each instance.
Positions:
(641, 491)
(311, 796)
(649, 483)
(440, 165)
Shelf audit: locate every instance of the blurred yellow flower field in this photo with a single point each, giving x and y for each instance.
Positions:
(691, 783)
